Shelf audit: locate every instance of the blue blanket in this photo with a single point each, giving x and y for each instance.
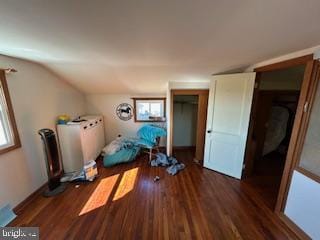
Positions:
(126, 149)
(150, 133)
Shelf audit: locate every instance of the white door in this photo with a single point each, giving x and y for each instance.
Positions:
(227, 123)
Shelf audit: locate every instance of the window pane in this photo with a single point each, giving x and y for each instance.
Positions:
(155, 109)
(147, 110)
(310, 156)
(143, 111)
(3, 139)
(6, 136)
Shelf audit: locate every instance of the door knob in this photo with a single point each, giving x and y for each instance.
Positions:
(209, 131)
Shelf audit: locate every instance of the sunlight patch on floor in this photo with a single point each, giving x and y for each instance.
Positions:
(126, 184)
(100, 195)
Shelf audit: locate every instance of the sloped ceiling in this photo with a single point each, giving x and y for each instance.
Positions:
(136, 46)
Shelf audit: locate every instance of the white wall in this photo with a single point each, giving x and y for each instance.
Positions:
(303, 204)
(185, 124)
(185, 116)
(38, 97)
(106, 104)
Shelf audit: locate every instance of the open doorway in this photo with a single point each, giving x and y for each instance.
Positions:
(276, 99)
(189, 115)
(185, 112)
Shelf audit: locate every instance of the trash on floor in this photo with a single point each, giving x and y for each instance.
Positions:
(157, 178)
(88, 173)
(163, 160)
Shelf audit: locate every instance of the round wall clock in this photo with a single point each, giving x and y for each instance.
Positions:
(124, 111)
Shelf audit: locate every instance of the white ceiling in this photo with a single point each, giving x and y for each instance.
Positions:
(136, 46)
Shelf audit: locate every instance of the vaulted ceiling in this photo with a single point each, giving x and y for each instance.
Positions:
(136, 46)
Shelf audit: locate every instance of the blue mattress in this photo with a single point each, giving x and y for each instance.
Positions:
(122, 156)
(126, 149)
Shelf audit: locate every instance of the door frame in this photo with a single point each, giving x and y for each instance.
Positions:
(203, 95)
(298, 127)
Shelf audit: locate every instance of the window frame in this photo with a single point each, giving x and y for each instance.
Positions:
(16, 138)
(149, 99)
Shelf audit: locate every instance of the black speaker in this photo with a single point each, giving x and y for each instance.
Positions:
(53, 162)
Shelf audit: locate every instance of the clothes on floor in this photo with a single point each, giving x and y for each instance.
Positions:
(174, 169)
(162, 160)
(172, 164)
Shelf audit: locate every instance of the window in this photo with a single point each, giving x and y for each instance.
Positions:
(9, 138)
(149, 109)
(309, 158)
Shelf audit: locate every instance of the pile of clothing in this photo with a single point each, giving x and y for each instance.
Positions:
(172, 164)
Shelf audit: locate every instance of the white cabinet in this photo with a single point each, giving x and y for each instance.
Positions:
(81, 142)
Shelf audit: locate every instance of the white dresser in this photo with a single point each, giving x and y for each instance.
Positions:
(81, 142)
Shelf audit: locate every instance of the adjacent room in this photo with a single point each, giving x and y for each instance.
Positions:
(275, 108)
(189, 118)
(185, 109)
(159, 119)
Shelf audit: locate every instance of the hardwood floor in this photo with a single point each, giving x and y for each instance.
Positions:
(266, 177)
(125, 203)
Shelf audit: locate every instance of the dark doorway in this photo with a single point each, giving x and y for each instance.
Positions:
(277, 97)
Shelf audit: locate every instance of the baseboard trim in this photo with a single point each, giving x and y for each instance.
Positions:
(163, 149)
(184, 148)
(20, 207)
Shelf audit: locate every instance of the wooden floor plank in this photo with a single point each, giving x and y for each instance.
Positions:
(197, 203)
